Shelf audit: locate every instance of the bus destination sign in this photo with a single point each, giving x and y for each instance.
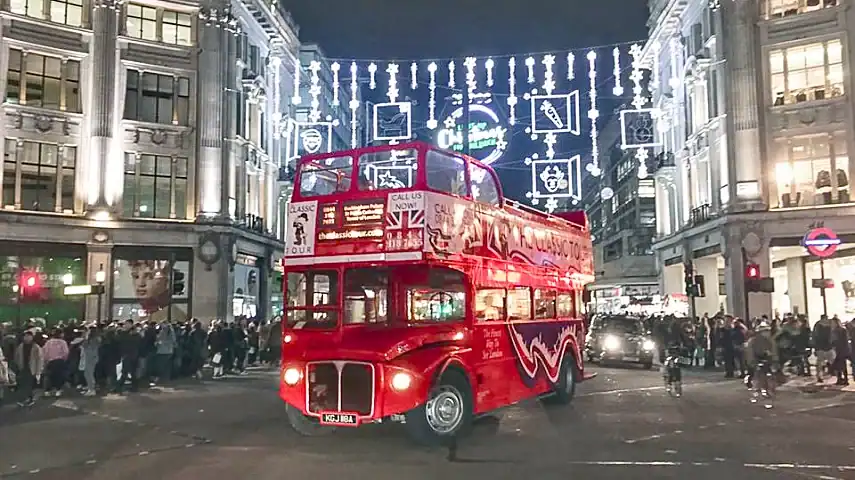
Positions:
(363, 213)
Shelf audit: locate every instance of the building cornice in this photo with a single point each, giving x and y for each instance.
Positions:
(667, 25)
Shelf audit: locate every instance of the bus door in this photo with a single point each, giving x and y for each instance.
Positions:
(492, 348)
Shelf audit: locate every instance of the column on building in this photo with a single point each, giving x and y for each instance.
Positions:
(103, 158)
(758, 303)
(739, 40)
(796, 285)
(707, 267)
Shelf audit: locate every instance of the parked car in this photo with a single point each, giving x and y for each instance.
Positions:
(620, 339)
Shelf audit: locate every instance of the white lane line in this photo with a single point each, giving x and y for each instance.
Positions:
(801, 474)
(789, 467)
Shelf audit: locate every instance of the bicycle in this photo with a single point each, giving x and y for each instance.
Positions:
(672, 373)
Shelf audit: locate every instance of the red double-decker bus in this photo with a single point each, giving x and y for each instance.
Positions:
(417, 293)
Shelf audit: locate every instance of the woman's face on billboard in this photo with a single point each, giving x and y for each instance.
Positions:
(151, 280)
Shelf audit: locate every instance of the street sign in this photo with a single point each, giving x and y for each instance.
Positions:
(821, 242)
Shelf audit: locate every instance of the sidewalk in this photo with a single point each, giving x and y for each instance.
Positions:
(810, 385)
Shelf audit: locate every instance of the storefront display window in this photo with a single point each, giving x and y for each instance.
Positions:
(245, 302)
(31, 289)
(155, 289)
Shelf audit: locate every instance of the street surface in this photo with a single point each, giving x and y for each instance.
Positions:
(621, 425)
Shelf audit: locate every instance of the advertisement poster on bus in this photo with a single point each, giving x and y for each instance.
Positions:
(405, 221)
(302, 219)
(451, 226)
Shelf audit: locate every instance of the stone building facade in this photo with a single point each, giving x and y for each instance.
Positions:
(142, 139)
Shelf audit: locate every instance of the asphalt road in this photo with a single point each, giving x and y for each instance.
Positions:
(621, 425)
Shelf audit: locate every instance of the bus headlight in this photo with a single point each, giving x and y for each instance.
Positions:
(401, 381)
(611, 343)
(291, 376)
(648, 345)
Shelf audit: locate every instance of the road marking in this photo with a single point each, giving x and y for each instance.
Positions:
(645, 389)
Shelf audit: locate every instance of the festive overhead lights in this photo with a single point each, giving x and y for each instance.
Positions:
(571, 65)
(529, 63)
(638, 129)
(674, 81)
(655, 73)
(354, 105)
(512, 97)
(372, 72)
(638, 100)
(432, 122)
(451, 69)
(297, 99)
(489, 65)
(471, 81)
(549, 76)
(335, 67)
(315, 91)
(617, 90)
(414, 72)
(392, 91)
(593, 115)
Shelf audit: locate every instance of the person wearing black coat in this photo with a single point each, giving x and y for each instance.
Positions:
(129, 343)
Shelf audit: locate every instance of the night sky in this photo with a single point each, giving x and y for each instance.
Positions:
(441, 29)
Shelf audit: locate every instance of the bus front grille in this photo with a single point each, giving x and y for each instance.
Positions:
(340, 387)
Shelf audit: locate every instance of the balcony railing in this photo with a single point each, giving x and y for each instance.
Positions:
(699, 215)
(253, 223)
(663, 160)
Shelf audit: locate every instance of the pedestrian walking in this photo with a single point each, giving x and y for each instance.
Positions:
(29, 365)
(55, 354)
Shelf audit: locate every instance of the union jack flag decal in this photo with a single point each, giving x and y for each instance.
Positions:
(405, 220)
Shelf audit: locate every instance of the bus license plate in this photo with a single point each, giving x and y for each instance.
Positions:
(630, 359)
(340, 419)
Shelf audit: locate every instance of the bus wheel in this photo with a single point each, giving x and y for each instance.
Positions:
(446, 413)
(304, 425)
(565, 387)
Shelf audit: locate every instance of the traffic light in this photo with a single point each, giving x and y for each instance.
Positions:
(689, 278)
(29, 285)
(177, 283)
(752, 271)
(754, 282)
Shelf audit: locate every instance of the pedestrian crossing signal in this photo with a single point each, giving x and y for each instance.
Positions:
(752, 271)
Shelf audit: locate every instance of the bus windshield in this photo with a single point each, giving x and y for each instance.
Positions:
(330, 176)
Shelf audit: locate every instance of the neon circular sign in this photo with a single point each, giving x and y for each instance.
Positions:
(486, 135)
(821, 242)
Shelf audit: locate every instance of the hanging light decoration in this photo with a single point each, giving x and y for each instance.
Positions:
(512, 96)
(593, 114)
(354, 105)
(315, 91)
(571, 66)
(432, 123)
(549, 76)
(489, 65)
(372, 79)
(392, 92)
(617, 90)
(335, 67)
(414, 72)
(451, 69)
(529, 64)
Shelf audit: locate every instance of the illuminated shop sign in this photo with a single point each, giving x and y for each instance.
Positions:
(355, 234)
(329, 215)
(363, 212)
(487, 138)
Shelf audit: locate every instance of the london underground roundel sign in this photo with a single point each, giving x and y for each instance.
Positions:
(821, 242)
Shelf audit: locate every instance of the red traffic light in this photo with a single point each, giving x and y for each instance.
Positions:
(752, 270)
(31, 281)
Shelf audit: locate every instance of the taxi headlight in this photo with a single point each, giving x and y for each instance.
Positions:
(291, 376)
(401, 381)
(648, 345)
(611, 342)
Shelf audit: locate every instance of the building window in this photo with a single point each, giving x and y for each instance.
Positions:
(807, 73)
(30, 8)
(173, 27)
(156, 98)
(49, 82)
(155, 186)
(39, 176)
(813, 170)
(785, 8)
(68, 12)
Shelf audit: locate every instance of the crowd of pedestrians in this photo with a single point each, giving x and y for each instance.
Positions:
(113, 358)
(721, 341)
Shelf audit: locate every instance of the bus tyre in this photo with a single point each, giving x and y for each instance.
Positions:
(446, 414)
(565, 387)
(304, 425)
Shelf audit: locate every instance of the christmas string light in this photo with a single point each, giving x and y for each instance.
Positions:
(335, 67)
(638, 102)
(315, 91)
(489, 65)
(414, 72)
(571, 65)
(392, 91)
(549, 77)
(372, 71)
(451, 67)
(471, 81)
(432, 122)
(593, 115)
(512, 97)
(297, 99)
(529, 63)
(354, 105)
(617, 90)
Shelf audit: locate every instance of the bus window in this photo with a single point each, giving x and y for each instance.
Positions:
(544, 303)
(326, 177)
(441, 297)
(388, 170)
(519, 303)
(482, 185)
(366, 296)
(312, 298)
(565, 305)
(445, 173)
(490, 304)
